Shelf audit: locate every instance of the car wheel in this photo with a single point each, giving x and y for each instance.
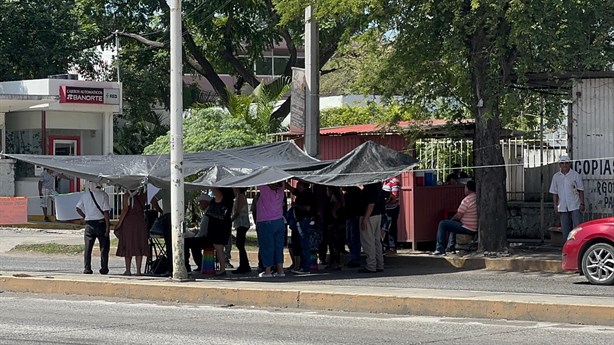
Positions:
(598, 264)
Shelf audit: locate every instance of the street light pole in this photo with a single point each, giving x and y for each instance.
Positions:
(176, 141)
(312, 85)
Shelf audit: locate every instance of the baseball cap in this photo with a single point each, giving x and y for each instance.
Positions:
(564, 158)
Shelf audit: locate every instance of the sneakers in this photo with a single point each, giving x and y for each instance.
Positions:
(300, 271)
(86, 271)
(265, 275)
(451, 250)
(438, 253)
(279, 275)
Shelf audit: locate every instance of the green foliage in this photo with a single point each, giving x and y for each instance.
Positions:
(42, 38)
(372, 113)
(256, 109)
(210, 129)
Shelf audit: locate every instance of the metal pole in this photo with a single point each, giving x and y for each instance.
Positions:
(542, 215)
(176, 142)
(312, 85)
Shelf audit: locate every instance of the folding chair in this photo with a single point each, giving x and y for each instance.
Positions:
(157, 258)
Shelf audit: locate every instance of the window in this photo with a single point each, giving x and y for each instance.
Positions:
(264, 66)
(279, 65)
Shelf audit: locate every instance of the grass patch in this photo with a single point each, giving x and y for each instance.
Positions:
(50, 248)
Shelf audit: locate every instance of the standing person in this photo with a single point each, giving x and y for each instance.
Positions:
(271, 228)
(94, 208)
(46, 189)
(240, 221)
(220, 225)
(392, 190)
(304, 209)
(465, 221)
(351, 197)
(568, 193)
(372, 207)
(132, 232)
(336, 227)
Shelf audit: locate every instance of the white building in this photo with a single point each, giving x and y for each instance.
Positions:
(54, 117)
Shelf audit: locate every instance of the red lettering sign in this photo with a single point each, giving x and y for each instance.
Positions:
(74, 94)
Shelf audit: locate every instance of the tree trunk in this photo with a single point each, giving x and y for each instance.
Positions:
(488, 158)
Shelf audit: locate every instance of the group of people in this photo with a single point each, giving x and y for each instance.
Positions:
(322, 221)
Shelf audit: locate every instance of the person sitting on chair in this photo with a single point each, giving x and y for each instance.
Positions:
(199, 241)
(456, 175)
(465, 221)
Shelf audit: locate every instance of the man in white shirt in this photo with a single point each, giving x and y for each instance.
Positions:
(568, 195)
(94, 208)
(46, 189)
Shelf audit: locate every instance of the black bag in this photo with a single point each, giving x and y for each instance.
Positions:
(161, 225)
(160, 265)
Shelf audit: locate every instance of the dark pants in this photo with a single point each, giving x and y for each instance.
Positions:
(241, 236)
(452, 227)
(168, 241)
(393, 229)
(96, 229)
(304, 230)
(336, 241)
(196, 246)
(353, 233)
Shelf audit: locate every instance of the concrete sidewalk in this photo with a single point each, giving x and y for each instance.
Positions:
(290, 292)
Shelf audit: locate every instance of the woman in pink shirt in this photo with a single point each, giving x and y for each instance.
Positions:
(271, 228)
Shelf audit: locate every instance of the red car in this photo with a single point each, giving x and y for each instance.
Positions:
(590, 250)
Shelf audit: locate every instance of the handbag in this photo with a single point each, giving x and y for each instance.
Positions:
(161, 225)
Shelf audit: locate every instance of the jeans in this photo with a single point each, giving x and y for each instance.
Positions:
(271, 236)
(304, 230)
(353, 234)
(243, 259)
(452, 227)
(96, 229)
(570, 220)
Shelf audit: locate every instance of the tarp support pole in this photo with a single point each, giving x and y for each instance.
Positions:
(176, 142)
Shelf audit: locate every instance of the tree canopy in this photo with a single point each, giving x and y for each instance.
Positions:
(479, 54)
(42, 38)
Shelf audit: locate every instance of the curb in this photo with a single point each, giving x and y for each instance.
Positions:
(510, 264)
(284, 294)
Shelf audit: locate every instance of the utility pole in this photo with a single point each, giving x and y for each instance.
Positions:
(312, 85)
(176, 141)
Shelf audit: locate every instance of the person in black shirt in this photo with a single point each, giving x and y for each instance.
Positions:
(372, 207)
(456, 175)
(351, 196)
(304, 209)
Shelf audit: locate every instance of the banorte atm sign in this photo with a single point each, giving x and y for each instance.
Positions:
(88, 95)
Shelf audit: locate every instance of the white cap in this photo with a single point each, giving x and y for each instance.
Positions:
(564, 158)
(93, 185)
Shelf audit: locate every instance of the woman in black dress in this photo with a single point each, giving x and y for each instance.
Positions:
(220, 224)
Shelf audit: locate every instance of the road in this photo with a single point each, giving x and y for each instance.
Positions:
(31, 319)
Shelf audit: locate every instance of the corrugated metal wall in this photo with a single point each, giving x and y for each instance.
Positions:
(592, 143)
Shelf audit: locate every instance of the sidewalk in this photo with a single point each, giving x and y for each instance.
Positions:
(297, 292)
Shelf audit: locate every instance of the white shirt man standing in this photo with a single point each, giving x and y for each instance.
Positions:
(94, 208)
(568, 194)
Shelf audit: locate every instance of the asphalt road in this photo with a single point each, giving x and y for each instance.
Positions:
(31, 319)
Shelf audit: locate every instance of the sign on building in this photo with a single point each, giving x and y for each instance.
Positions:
(88, 95)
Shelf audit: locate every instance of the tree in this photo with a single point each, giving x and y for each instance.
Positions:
(220, 36)
(210, 129)
(41, 38)
(477, 52)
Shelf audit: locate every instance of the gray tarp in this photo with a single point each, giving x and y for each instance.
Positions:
(238, 167)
